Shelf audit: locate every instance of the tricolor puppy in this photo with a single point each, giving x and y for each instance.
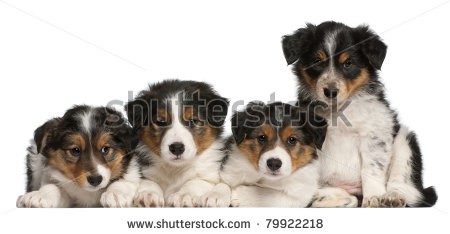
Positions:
(271, 158)
(179, 124)
(74, 158)
(366, 151)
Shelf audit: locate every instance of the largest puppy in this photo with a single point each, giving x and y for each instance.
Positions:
(366, 150)
(179, 125)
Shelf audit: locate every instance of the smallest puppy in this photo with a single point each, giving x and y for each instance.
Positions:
(271, 159)
(74, 158)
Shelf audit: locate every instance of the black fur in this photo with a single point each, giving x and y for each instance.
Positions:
(429, 194)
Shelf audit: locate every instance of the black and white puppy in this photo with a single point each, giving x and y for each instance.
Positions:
(73, 159)
(179, 124)
(366, 151)
(271, 158)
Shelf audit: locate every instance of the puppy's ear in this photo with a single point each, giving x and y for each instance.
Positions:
(43, 133)
(371, 46)
(297, 43)
(217, 109)
(138, 113)
(316, 129)
(237, 126)
(121, 129)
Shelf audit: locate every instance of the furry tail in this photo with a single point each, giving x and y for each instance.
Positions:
(429, 197)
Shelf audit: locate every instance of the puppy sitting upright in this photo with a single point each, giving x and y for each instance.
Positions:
(366, 151)
(271, 158)
(179, 124)
(74, 158)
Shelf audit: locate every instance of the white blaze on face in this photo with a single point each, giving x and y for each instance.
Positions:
(330, 77)
(177, 133)
(276, 153)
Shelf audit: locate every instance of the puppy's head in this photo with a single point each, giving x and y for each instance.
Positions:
(87, 146)
(178, 120)
(333, 62)
(277, 138)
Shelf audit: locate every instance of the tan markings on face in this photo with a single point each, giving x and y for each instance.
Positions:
(322, 55)
(67, 164)
(152, 137)
(353, 85)
(343, 57)
(113, 158)
(312, 83)
(253, 149)
(300, 154)
(203, 134)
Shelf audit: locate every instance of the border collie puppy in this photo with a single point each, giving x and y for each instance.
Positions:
(179, 124)
(271, 158)
(73, 159)
(366, 151)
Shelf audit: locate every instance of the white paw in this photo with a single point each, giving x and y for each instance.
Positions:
(389, 200)
(148, 199)
(242, 196)
(38, 199)
(115, 199)
(214, 199)
(181, 200)
(335, 200)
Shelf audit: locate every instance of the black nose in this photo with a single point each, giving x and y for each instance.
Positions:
(176, 148)
(274, 164)
(330, 92)
(94, 180)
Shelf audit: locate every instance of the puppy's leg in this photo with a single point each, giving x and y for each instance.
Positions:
(329, 197)
(149, 194)
(376, 154)
(190, 193)
(254, 196)
(48, 196)
(219, 196)
(119, 194)
(406, 158)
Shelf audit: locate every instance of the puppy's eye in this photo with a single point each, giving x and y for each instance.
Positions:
(291, 141)
(161, 123)
(192, 122)
(347, 63)
(317, 60)
(75, 151)
(105, 150)
(262, 139)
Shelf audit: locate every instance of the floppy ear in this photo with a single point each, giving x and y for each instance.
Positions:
(316, 129)
(237, 126)
(122, 131)
(217, 109)
(371, 46)
(293, 45)
(138, 113)
(43, 133)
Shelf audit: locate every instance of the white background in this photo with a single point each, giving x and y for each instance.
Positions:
(54, 54)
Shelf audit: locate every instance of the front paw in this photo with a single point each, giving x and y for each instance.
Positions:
(114, 199)
(38, 199)
(149, 199)
(385, 201)
(244, 196)
(181, 200)
(214, 199)
(335, 200)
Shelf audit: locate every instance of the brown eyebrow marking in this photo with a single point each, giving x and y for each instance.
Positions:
(343, 57)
